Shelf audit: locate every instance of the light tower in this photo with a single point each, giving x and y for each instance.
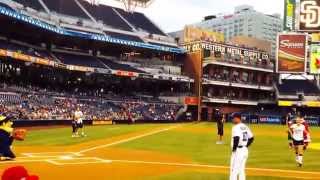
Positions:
(130, 5)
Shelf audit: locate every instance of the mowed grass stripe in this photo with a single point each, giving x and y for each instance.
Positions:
(62, 136)
(197, 142)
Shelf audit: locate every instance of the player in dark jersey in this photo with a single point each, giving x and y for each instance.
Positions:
(289, 122)
(220, 118)
(307, 136)
(6, 138)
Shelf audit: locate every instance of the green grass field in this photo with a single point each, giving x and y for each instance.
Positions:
(195, 142)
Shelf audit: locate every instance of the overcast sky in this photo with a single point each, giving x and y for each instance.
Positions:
(172, 15)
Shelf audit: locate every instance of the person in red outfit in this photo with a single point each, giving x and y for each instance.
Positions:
(18, 173)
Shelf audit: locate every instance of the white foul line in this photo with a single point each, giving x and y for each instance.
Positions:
(213, 166)
(105, 161)
(127, 140)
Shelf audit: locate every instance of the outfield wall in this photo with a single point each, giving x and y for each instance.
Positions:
(261, 119)
(250, 119)
(39, 123)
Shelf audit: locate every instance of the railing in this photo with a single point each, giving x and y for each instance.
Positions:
(252, 64)
(236, 81)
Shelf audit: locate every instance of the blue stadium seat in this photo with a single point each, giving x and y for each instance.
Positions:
(140, 21)
(5, 6)
(69, 7)
(116, 66)
(88, 61)
(107, 15)
(124, 36)
(294, 86)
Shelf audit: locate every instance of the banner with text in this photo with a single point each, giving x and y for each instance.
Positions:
(291, 53)
(226, 49)
(289, 14)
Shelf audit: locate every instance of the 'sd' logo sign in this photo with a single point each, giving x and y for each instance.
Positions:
(309, 15)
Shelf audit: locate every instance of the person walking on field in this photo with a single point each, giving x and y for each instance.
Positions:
(78, 120)
(242, 138)
(221, 119)
(298, 133)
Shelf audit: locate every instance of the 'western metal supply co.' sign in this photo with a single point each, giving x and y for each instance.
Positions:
(226, 49)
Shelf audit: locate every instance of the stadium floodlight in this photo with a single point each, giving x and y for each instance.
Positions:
(130, 5)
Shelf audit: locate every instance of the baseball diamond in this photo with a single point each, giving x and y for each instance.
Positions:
(159, 89)
(163, 151)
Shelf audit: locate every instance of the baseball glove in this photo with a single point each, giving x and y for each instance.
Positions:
(19, 134)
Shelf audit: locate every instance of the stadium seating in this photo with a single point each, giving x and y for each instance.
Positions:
(6, 6)
(24, 49)
(67, 58)
(107, 15)
(35, 4)
(123, 36)
(117, 66)
(158, 44)
(42, 105)
(68, 7)
(88, 61)
(295, 86)
(141, 22)
(10, 98)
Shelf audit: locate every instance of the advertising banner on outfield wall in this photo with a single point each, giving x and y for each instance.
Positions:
(309, 15)
(289, 15)
(315, 59)
(192, 34)
(291, 53)
(191, 101)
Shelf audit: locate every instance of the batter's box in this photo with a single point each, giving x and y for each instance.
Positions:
(78, 160)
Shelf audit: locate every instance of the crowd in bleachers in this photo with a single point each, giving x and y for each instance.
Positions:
(40, 104)
(237, 94)
(234, 75)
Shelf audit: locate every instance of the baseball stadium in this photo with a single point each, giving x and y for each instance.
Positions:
(93, 91)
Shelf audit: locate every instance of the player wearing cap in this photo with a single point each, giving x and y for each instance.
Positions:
(242, 138)
(6, 138)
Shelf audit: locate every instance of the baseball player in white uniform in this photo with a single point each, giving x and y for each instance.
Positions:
(242, 138)
(78, 116)
(298, 133)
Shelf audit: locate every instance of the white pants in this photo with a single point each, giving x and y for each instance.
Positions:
(238, 164)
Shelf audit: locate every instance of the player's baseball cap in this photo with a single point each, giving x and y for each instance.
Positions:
(18, 173)
(2, 118)
(236, 115)
(6, 118)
